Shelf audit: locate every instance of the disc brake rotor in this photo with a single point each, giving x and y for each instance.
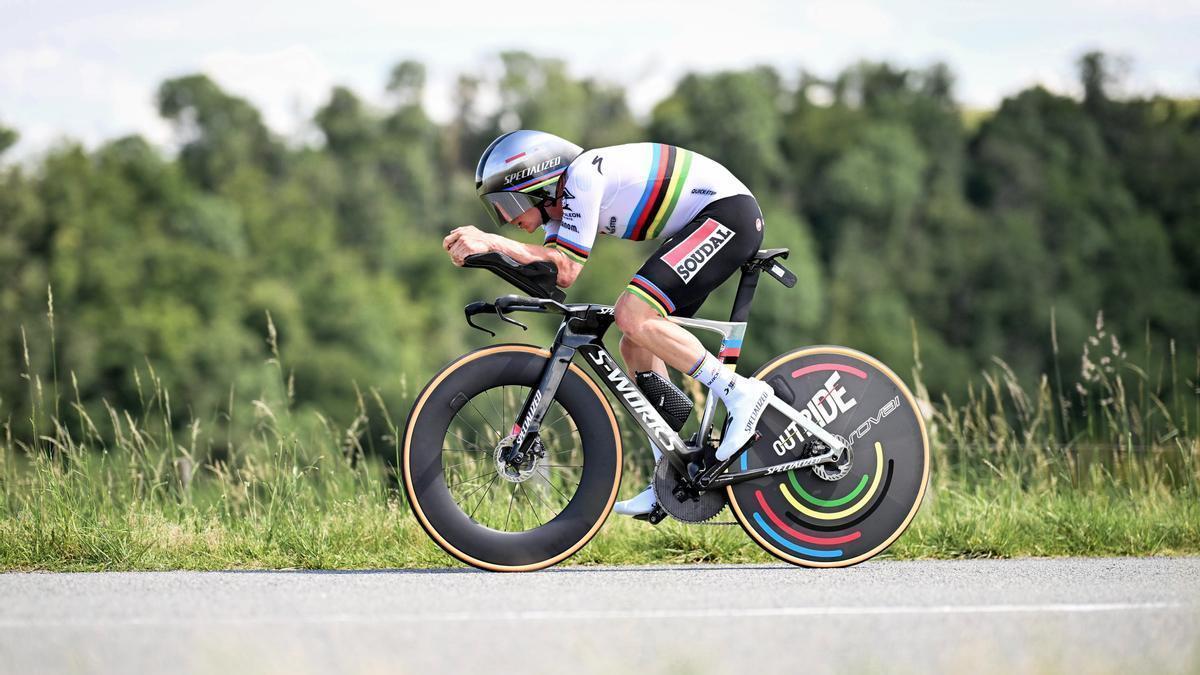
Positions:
(516, 472)
(838, 471)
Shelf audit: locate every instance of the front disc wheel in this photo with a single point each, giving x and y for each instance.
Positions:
(487, 505)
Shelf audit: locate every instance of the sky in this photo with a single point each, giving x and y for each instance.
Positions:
(89, 70)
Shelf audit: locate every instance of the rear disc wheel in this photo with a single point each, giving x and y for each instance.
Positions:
(800, 515)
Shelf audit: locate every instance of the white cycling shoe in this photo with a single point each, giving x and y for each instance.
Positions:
(645, 501)
(639, 505)
(745, 405)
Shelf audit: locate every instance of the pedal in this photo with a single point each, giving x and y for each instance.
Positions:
(654, 517)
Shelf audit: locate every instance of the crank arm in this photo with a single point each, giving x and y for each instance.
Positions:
(811, 427)
(830, 456)
(704, 480)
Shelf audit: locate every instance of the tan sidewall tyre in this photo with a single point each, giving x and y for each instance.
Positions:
(770, 531)
(471, 542)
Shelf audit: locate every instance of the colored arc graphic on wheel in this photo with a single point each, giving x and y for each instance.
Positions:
(827, 503)
(802, 536)
(846, 512)
(811, 538)
(818, 367)
(811, 552)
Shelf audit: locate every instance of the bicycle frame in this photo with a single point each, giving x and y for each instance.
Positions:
(582, 331)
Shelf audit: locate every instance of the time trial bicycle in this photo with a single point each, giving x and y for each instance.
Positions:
(512, 454)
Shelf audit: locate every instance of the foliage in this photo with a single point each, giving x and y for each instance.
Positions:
(1003, 237)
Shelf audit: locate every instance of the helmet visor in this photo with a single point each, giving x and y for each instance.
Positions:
(504, 207)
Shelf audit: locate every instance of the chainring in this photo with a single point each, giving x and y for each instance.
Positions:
(704, 507)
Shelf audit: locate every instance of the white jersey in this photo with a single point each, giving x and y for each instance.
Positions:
(635, 191)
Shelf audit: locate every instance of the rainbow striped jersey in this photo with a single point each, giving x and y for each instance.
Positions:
(635, 191)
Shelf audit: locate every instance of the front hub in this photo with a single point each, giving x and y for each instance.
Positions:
(516, 467)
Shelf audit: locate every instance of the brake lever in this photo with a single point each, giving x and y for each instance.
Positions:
(476, 308)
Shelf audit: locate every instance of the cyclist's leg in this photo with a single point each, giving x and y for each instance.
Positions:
(650, 331)
(679, 276)
(641, 360)
(638, 359)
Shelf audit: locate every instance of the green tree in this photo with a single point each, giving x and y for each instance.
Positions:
(8, 138)
(899, 216)
(221, 134)
(732, 117)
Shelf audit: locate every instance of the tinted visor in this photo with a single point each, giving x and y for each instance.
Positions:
(506, 206)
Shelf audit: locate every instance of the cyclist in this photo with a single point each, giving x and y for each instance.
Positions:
(709, 222)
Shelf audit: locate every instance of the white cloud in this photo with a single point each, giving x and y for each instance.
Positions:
(848, 20)
(48, 94)
(90, 71)
(19, 67)
(285, 84)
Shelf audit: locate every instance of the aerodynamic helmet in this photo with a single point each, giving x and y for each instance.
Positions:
(521, 170)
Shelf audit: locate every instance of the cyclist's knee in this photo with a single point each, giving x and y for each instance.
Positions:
(631, 315)
(627, 345)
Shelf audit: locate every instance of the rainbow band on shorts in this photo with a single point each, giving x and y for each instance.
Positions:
(653, 295)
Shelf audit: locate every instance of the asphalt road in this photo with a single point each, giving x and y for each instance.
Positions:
(1046, 616)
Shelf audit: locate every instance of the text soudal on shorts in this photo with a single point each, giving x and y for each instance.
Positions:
(697, 259)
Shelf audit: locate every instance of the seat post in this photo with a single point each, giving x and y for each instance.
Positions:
(745, 292)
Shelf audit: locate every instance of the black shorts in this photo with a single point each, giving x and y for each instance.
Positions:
(691, 263)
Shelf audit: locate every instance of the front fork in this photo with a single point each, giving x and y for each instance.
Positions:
(529, 419)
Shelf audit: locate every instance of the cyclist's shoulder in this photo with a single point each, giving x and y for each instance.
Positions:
(601, 158)
(636, 156)
(599, 166)
(592, 168)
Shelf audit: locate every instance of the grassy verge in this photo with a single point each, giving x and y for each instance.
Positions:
(127, 508)
(371, 532)
(1010, 477)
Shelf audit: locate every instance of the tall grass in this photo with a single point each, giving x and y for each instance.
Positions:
(1109, 467)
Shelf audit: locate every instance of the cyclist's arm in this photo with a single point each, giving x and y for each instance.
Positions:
(568, 269)
(571, 238)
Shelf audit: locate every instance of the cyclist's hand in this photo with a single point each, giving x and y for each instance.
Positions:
(457, 233)
(465, 241)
